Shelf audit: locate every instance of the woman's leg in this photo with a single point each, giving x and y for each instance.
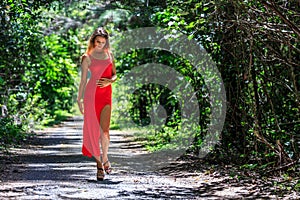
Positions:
(98, 161)
(104, 136)
(103, 141)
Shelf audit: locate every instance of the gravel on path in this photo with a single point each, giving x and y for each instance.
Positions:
(52, 167)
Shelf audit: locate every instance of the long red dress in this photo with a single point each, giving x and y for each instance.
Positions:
(95, 98)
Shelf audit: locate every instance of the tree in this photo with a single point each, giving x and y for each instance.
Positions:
(256, 46)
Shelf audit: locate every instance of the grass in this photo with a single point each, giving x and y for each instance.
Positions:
(59, 116)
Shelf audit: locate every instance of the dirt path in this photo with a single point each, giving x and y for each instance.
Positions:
(53, 168)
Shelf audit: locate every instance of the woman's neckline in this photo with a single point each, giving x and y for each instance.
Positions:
(99, 58)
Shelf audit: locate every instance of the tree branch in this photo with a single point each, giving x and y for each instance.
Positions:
(288, 22)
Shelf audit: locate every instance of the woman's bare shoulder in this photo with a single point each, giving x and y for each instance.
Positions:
(85, 59)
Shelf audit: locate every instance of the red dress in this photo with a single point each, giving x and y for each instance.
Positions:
(95, 98)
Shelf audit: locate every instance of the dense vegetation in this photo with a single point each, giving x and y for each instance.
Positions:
(255, 45)
(37, 73)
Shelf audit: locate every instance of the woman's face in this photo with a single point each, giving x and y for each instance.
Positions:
(99, 43)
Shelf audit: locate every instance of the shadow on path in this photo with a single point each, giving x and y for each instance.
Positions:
(52, 167)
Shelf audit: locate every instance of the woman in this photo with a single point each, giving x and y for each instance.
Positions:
(96, 104)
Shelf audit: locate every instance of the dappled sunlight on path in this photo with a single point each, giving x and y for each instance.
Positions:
(52, 167)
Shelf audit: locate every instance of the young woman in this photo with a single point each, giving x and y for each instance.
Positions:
(95, 99)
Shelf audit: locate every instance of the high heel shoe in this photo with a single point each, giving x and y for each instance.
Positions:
(100, 174)
(107, 167)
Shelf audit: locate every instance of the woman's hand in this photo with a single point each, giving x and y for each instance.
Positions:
(80, 105)
(103, 82)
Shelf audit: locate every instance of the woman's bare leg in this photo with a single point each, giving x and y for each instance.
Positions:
(104, 136)
(98, 161)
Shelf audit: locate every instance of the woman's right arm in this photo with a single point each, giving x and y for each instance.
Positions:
(83, 81)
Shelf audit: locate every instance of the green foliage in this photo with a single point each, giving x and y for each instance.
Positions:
(143, 107)
(161, 139)
(11, 132)
(37, 74)
(54, 79)
(258, 73)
